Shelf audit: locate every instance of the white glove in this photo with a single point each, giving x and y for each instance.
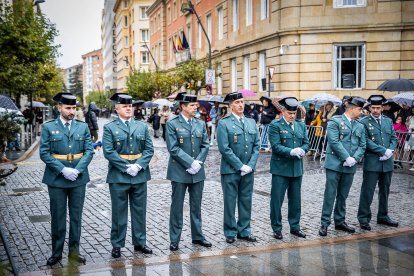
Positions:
(191, 171)
(196, 165)
(245, 170)
(383, 158)
(133, 169)
(349, 162)
(297, 152)
(388, 153)
(301, 152)
(70, 174)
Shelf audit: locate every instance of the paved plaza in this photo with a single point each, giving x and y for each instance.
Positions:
(25, 219)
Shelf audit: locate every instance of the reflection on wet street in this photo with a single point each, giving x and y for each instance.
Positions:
(386, 256)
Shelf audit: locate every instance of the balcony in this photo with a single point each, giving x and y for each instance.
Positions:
(183, 56)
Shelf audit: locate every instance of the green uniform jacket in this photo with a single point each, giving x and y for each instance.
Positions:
(379, 138)
(119, 139)
(186, 144)
(283, 139)
(55, 140)
(344, 140)
(238, 146)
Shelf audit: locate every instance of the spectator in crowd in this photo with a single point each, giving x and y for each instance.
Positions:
(400, 130)
(138, 114)
(253, 113)
(405, 112)
(39, 120)
(165, 114)
(155, 119)
(15, 143)
(388, 111)
(319, 132)
(79, 113)
(223, 113)
(268, 115)
(341, 109)
(327, 114)
(215, 116)
(364, 112)
(310, 114)
(29, 117)
(411, 139)
(92, 121)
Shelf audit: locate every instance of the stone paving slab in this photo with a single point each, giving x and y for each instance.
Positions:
(30, 241)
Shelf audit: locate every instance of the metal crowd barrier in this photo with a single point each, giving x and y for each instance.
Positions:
(404, 152)
(316, 137)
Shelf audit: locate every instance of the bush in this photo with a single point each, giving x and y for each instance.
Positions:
(10, 125)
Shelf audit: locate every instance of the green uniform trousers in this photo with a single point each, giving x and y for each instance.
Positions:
(237, 189)
(60, 199)
(279, 186)
(336, 188)
(369, 183)
(195, 190)
(137, 195)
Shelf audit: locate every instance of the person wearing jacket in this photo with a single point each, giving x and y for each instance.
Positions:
(92, 121)
(66, 149)
(268, 115)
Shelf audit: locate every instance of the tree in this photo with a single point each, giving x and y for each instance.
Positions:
(141, 85)
(192, 71)
(27, 51)
(75, 83)
(100, 99)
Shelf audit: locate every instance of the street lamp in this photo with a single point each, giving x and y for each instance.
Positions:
(36, 3)
(152, 57)
(189, 7)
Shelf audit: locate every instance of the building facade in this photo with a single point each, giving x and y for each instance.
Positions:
(69, 75)
(108, 35)
(92, 68)
(132, 38)
(343, 47)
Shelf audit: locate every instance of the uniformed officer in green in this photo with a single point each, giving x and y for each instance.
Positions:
(128, 147)
(66, 148)
(290, 143)
(378, 164)
(346, 147)
(238, 142)
(187, 143)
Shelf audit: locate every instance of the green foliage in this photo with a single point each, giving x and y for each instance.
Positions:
(192, 71)
(27, 63)
(100, 99)
(141, 85)
(10, 124)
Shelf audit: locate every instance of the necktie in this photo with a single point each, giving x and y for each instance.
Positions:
(291, 126)
(127, 123)
(241, 121)
(190, 122)
(67, 127)
(378, 121)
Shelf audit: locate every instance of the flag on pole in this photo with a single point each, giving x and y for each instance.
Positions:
(179, 44)
(185, 42)
(173, 46)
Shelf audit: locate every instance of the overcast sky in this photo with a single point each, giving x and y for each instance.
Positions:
(79, 26)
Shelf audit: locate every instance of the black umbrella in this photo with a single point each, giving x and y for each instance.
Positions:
(397, 85)
(137, 102)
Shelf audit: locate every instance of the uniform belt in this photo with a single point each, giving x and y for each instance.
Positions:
(68, 157)
(130, 156)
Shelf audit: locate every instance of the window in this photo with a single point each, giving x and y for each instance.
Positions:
(235, 15)
(125, 21)
(209, 26)
(349, 3)
(189, 35)
(159, 21)
(174, 10)
(262, 70)
(126, 44)
(249, 12)
(132, 15)
(220, 16)
(125, 3)
(199, 30)
(233, 65)
(349, 66)
(126, 62)
(246, 72)
(145, 57)
(144, 35)
(264, 9)
(170, 49)
(133, 37)
(219, 80)
(144, 12)
(169, 15)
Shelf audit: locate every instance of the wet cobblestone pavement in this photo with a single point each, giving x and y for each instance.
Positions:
(24, 209)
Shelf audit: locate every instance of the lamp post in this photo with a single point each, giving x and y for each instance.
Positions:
(189, 7)
(36, 3)
(152, 57)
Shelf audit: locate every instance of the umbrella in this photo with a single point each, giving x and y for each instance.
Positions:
(172, 96)
(247, 93)
(397, 85)
(394, 106)
(163, 102)
(322, 98)
(205, 104)
(404, 98)
(137, 102)
(7, 104)
(149, 104)
(36, 104)
(218, 99)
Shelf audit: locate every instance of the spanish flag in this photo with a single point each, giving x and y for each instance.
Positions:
(179, 44)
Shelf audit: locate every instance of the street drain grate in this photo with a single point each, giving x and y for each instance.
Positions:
(37, 219)
(262, 193)
(28, 190)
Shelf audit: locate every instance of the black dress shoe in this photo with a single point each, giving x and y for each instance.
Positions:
(345, 227)
(53, 260)
(76, 257)
(388, 222)
(278, 235)
(143, 248)
(202, 243)
(116, 252)
(249, 238)
(323, 231)
(365, 226)
(298, 233)
(174, 246)
(230, 239)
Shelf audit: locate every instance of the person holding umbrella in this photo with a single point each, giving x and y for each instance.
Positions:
(268, 115)
(378, 164)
